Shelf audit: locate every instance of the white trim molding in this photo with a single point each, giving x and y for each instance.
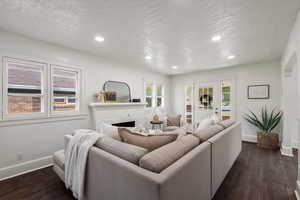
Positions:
(249, 138)
(286, 151)
(297, 191)
(25, 167)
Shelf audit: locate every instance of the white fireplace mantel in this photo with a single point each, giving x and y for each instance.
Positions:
(117, 113)
(115, 104)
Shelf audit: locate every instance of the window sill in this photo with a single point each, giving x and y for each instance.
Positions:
(48, 119)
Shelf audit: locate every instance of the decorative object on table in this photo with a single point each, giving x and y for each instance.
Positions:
(258, 91)
(266, 123)
(121, 89)
(156, 113)
(157, 124)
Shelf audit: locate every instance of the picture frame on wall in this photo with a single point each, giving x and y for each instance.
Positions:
(259, 91)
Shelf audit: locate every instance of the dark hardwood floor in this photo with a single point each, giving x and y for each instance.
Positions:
(258, 174)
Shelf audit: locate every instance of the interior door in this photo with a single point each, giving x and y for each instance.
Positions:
(207, 100)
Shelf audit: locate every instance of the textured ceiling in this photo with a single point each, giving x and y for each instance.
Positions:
(173, 32)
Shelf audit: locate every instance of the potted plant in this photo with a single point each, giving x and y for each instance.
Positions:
(266, 123)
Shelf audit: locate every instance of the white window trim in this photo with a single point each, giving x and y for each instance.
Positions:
(44, 94)
(78, 91)
(154, 94)
(162, 96)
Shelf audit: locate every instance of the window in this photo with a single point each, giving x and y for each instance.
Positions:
(149, 95)
(226, 100)
(159, 96)
(65, 90)
(27, 93)
(154, 95)
(24, 91)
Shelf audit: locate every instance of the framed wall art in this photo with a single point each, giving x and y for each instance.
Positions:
(259, 91)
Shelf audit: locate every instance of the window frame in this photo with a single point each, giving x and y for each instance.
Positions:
(146, 96)
(154, 94)
(78, 92)
(44, 91)
(162, 96)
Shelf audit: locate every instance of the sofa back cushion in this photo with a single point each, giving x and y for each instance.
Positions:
(122, 150)
(226, 123)
(174, 120)
(148, 142)
(205, 134)
(161, 158)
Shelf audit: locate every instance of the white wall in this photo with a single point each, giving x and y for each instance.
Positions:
(39, 140)
(293, 52)
(244, 75)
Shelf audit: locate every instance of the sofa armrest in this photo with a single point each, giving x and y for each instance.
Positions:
(226, 147)
(109, 177)
(67, 139)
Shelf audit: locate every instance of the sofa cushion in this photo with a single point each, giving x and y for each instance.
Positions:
(122, 150)
(111, 131)
(59, 159)
(226, 123)
(205, 134)
(174, 120)
(148, 142)
(163, 157)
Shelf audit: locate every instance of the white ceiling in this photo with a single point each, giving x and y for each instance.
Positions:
(173, 32)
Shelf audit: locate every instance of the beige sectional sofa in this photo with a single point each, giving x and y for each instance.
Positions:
(192, 172)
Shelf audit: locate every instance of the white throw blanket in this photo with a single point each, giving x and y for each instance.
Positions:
(75, 159)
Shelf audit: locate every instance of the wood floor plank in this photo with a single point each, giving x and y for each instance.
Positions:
(257, 174)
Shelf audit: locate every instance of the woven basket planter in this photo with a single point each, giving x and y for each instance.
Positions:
(268, 140)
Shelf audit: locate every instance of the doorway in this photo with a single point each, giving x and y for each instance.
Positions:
(204, 99)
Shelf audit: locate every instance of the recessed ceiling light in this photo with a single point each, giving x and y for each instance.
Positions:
(174, 67)
(99, 39)
(231, 57)
(216, 38)
(148, 57)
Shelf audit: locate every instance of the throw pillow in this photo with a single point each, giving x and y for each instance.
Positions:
(110, 131)
(216, 119)
(148, 142)
(205, 123)
(174, 120)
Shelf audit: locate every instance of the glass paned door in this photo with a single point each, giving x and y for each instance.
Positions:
(207, 100)
(227, 97)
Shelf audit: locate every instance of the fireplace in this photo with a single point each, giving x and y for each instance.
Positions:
(125, 124)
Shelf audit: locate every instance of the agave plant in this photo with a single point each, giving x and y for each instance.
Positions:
(267, 122)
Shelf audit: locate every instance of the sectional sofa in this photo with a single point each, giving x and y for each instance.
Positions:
(191, 168)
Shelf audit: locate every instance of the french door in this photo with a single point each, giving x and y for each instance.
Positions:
(203, 99)
(207, 100)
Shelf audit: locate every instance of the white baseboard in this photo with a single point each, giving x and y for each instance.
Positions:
(295, 144)
(297, 190)
(249, 138)
(25, 167)
(286, 151)
(297, 195)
